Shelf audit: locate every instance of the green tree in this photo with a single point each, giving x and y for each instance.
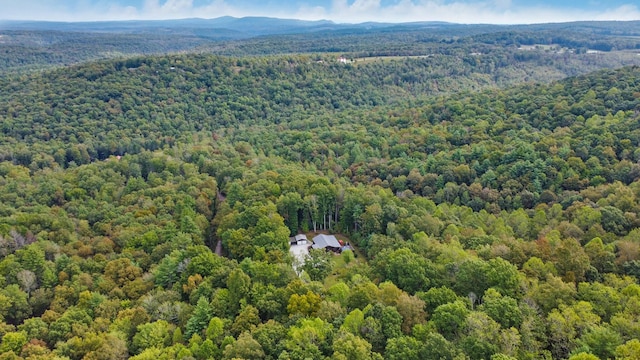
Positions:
(318, 264)
(567, 324)
(349, 346)
(306, 337)
(270, 335)
(571, 260)
(435, 345)
(449, 318)
(215, 330)
(403, 348)
(246, 347)
(502, 309)
(353, 322)
(613, 220)
(600, 341)
(13, 341)
(152, 335)
(16, 304)
(199, 320)
(435, 297)
(407, 270)
(584, 356)
(239, 285)
(306, 304)
(246, 320)
(339, 292)
(553, 292)
(289, 206)
(629, 350)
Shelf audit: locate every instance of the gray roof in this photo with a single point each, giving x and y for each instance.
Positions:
(322, 241)
(300, 237)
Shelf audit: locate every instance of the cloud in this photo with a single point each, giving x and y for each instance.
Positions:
(174, 9)
(75, 10)
(493, 11)
(459, 11)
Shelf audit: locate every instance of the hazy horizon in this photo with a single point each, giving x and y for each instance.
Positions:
(339, 11)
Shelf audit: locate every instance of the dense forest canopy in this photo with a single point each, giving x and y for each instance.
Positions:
(146, 206)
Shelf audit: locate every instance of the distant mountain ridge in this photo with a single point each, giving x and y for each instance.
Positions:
(245, 26)
(233, 28)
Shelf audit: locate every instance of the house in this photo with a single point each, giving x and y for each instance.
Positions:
(327, 242)
(300, 239)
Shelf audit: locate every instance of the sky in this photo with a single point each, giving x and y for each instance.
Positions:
(341, 11)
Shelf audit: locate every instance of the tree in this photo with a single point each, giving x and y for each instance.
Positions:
(502, 357)
(306, 337)
(606, 300)
(629, 350)
(483, 337)
(339, 292)
(347, 256)
(246, 320)
(318, 264)
(28, 280)
(436, 347)
(205, 263)
(435, 297)
(208, 350)
(411, 308)
(450, 318)
(349, 346)
(504, 277)
(599, 256)
(471, 278)
(584, 356)
(537, 268)
(199, 320)
(289, 206)
(270, 335)
(409, 271)
(403, 348)
(568, 323)
(215, 330)
(239, 285)
(16, 304)
(600, 341)
(13, 341)
(94, 346)
(571, 260)
(166, 273)
(372, 219)
(152, 335)
(502, 309)
(353, 322)
(613, 220)
(553, 292)
(121, 271)
(246, 347)
(363, 292)
(306, 304)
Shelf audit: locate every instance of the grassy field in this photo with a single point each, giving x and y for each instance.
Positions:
(340, 267)
(366, 60)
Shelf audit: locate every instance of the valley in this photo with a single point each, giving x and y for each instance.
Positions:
(489, 187)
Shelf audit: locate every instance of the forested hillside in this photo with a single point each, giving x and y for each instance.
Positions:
(31, 46)
(92, 111)
(488, 224)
